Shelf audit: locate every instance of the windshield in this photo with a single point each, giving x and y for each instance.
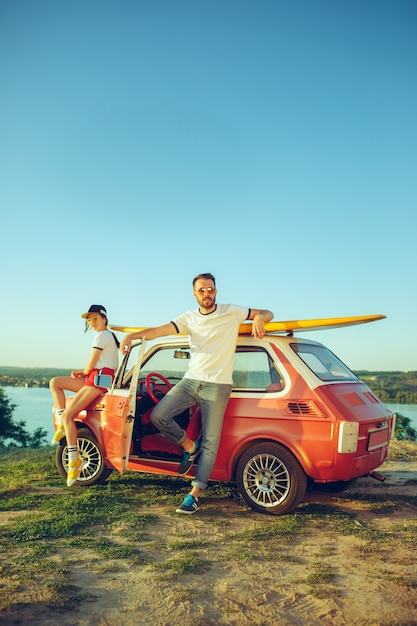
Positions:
(323, 363)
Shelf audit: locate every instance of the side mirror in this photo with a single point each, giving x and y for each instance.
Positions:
(181, 354)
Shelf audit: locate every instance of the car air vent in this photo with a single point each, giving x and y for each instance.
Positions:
(302, 407)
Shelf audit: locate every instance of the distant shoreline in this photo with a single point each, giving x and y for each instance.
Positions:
(391, 387)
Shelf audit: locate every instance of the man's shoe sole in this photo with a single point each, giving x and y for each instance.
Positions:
(179, 510)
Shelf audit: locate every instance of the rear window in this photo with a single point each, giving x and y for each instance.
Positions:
(323, 363)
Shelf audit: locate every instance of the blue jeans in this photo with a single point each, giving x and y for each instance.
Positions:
(212, 399)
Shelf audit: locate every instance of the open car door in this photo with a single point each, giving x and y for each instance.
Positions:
(118, 417)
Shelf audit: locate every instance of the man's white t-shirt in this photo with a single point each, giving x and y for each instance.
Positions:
(213, 339)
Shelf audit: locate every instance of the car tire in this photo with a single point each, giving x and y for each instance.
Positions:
(94, 471)
(270, 479)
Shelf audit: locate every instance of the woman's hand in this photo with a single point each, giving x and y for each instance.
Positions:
(78, 374)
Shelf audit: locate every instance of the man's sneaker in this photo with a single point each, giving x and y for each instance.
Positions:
(189, 506)
(73, 473)
(188, 458)
(59, 434)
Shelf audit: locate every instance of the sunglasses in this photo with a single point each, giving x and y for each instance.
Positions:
(206, 289)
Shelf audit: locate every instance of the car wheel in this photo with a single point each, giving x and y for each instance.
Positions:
(94, 470)
(270, 479)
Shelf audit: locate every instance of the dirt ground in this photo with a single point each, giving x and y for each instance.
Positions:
(376, 582)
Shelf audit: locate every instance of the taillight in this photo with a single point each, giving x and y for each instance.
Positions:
(348, 437)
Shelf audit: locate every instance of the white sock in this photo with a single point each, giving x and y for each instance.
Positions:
(72, 454)
(59, 413)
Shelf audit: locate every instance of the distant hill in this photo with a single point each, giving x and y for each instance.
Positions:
(390, 387)
(29, 376)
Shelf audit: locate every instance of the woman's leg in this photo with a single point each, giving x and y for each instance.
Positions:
(80, 401)
(57, 386)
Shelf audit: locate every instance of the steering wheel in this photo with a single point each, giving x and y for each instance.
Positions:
(149, 384)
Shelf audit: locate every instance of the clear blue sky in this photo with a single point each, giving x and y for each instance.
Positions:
(272, 143)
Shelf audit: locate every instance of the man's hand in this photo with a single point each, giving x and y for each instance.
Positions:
(258, 327)
(125, 344)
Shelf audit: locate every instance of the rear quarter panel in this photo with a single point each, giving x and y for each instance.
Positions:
(306, 420)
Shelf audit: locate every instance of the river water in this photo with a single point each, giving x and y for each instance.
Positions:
(34, 406)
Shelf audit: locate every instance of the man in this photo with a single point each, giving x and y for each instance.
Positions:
(213, 330)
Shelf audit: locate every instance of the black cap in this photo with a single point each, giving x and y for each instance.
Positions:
(95, 308)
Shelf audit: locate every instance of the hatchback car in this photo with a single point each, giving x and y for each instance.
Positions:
(296, 416)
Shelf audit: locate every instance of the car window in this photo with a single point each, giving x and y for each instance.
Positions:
(323, 362)
(254, 370)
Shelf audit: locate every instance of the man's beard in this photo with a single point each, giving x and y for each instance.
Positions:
(208, 302)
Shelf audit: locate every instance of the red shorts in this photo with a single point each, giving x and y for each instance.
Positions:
(89, 379)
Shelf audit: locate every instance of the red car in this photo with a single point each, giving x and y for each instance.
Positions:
(297, 415)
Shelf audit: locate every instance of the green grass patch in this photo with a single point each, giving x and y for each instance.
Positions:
(338, 520)
(321, 581)
(191, 544)
(188, 563)
(23, 466)
(321, 575)
(65, 597)
(286, 528)
(237, 553)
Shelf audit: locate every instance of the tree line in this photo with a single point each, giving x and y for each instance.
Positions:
(390, 387)
(29, 376)
(14, 434)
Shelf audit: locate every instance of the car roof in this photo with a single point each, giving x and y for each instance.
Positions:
(270, 338)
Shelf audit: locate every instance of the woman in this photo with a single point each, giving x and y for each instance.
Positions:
(103, 359)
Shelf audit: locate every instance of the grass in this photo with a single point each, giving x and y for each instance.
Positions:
(187, 563)
(402, 450)
(46, 530)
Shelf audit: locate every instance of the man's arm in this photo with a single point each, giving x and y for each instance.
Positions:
(259, 317)
(147, 333)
